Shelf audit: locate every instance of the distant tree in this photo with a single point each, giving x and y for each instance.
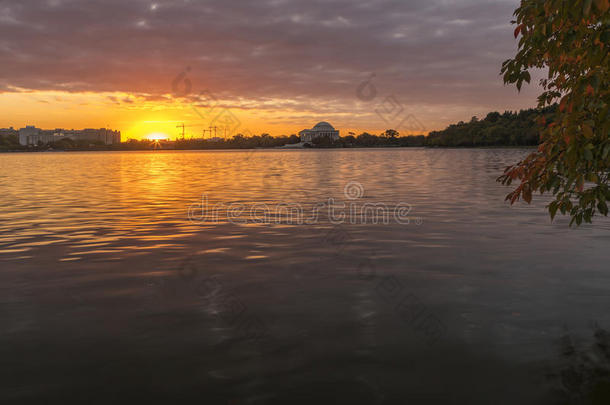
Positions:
(411, 140)
(349, 140)
(493, 116)
(238, 138)
(63, 144)
(366, 139)
(9, 142)
(265, 140)
(508, 129)
(572, 40)
(390, 133)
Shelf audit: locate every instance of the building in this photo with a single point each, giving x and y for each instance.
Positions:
(107, 136)
(319, 130)
(9, 132)
(30, 135)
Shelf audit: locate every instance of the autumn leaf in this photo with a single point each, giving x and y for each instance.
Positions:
(518, 30)
(527, 195)
(602, 5)
(586, 10)
(576, 138)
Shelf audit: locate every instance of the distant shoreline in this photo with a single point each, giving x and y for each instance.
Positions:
(495, 131)
(271, 148)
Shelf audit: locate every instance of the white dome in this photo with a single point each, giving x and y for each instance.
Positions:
(323, 126)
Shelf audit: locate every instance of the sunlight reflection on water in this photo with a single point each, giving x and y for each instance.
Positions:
(93, 245)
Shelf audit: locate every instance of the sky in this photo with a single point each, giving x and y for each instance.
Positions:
(274, 66)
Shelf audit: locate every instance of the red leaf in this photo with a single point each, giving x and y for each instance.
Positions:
(527, 195)
(518, 30)
(602, 5)
(590, 90)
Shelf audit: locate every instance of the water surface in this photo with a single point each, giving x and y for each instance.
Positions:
(107, 287)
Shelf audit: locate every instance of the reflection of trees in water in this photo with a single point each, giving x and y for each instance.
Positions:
(585, 375)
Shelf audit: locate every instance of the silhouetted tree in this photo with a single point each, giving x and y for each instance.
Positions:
(390, 133)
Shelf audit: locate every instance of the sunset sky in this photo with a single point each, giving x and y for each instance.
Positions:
(275, 66)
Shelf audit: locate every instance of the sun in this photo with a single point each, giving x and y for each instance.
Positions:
(157, 136)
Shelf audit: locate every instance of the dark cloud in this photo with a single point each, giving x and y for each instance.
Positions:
(430, 52)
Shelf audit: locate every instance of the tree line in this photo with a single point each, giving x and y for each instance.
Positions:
(507, 129)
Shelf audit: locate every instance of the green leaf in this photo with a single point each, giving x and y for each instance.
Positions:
(553, 209)
(588, 154)
(570, 40)
(586, 9)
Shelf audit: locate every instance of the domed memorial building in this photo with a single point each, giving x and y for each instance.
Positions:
(321, 129)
